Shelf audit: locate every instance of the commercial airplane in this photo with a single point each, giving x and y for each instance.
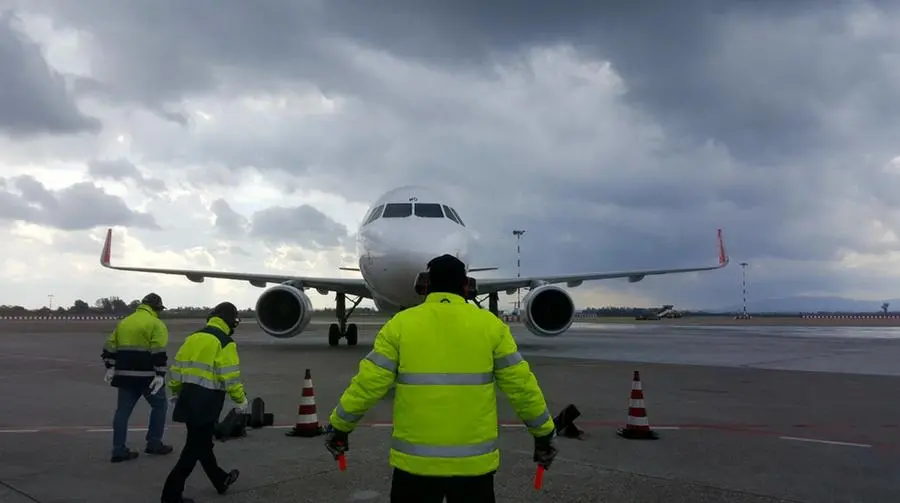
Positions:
(404, 229)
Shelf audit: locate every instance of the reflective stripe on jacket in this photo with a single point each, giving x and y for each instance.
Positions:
(136, 348)
(445, 403)
(206, 367)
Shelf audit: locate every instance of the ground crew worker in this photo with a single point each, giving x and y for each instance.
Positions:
(135, 359)
(206, 367)
(444, 356)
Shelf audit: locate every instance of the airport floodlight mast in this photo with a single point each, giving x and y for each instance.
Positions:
(744, 315)
(518, 233)
(50, 297)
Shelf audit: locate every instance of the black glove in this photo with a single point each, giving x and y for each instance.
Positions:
(336, 441)
(545, 450)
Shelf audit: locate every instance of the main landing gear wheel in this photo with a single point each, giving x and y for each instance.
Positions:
(335, 335)
(352, 334)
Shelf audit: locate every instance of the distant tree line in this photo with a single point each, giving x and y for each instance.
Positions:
(116, 306)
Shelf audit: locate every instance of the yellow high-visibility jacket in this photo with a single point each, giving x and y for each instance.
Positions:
(444, 356)
(136, 349)
(206, 367)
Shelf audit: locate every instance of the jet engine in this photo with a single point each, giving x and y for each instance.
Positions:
(283, 311)
(547, 311)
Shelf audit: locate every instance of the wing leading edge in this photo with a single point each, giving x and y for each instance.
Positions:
(490, 285)
(351, 286)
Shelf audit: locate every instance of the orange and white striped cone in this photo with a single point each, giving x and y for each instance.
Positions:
(307, 424)
(638, 426)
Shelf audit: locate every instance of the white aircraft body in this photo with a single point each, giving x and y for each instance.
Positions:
(404, 229)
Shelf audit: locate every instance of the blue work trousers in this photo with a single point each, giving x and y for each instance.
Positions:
(128, 398)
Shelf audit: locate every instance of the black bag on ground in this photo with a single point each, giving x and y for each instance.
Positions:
(257, 411)
(233, 426)
(565, 423)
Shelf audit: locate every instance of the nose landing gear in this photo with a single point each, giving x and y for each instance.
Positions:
(493, 303)
(342, 329)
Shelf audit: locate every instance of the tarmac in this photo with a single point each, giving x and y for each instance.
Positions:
(744, 414)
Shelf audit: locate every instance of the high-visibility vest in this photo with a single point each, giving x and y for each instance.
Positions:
(205, 369)
(445, 357)
(136, 348)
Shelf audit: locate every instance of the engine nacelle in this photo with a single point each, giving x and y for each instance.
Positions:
(547, 311)
(283, 311)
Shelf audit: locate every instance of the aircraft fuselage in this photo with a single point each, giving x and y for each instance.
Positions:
(411, 225)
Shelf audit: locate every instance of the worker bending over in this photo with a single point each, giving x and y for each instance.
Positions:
(444, 355)
(135, 358)
(206, 368)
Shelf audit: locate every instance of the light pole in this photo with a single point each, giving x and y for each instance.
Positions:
(518, 233)
(744, 265)
(51, 301)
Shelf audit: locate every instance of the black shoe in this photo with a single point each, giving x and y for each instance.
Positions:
(159, 449)
(128, 455)
(231, 478)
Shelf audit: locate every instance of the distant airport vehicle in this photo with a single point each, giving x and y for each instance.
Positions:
(667, 311)
(404, 229)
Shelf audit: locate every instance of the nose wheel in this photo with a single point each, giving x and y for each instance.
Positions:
(342, 329)
(335, 334)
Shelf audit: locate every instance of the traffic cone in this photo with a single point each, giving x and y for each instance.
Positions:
(638, 426)
(307, 424)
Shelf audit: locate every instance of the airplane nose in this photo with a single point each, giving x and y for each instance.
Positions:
(417, 258)
(431, 247)
(423, 241)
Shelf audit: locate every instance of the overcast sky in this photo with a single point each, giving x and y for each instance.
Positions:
(252, 136)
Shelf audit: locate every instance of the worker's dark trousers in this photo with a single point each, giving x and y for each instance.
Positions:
(409, 488)
(197, 447)
(128, 398)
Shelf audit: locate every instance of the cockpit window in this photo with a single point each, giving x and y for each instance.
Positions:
(458, 219)
(374, 215)
(429, 210)
(450, 214)
(397, 210)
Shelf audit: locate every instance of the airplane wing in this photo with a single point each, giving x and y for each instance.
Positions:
(471, 269)
(351, 286)
(490, 285)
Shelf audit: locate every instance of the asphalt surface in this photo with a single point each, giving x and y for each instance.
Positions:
(745, 414)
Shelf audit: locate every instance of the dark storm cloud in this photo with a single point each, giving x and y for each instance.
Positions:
(33, 97)
(303, 225)
(746, 74)
(203, 42)
(228, 221)
(124, 170)
(78, 207)
(754, 74)
(773, 120)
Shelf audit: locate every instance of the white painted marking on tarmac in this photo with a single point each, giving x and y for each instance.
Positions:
(90, 429)
(830, 442)
(365, 495)
(35, 372)
(15, 356)
(107, 430)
